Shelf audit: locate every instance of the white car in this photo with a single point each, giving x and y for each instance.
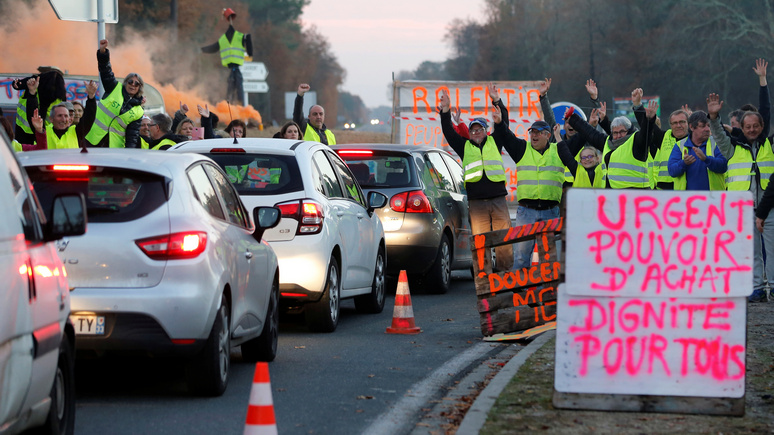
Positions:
(172, 264)
(330, 244)
(37, 387)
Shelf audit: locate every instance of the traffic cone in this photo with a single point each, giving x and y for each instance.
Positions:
(403, 313)
(260, 411)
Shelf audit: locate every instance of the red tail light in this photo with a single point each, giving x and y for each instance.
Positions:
(355, 152)
(174, 246)
(309, 215)
(411, 202)
(228, 150)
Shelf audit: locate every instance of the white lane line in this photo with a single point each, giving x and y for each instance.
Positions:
(395, 421)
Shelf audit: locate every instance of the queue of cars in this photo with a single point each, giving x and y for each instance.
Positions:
(193, 251)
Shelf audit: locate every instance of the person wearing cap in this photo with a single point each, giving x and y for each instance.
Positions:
(484, 176)
(540, 177)
(626, 153)
(313, 127)
(60, 131)
(232, 47)
(119, 111)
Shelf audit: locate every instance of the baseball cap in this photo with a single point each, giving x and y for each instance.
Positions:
(540, 126)
(479, 121)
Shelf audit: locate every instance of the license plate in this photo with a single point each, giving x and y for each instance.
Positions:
(88, 324)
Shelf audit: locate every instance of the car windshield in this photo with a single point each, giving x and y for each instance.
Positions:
(260, 174)
(112, 194)
(380, 170)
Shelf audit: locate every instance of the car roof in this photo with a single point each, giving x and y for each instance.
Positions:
(249, 144)
(388, 147)
(154, 161)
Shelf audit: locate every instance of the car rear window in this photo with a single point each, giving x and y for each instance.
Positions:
(260, 174)
(381, 170)
(112, 194)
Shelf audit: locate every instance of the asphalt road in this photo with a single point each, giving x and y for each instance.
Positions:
(355, 380)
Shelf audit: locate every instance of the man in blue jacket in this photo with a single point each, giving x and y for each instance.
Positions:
(696, 162)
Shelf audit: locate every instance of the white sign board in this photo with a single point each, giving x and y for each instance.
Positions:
(85, 10)
(666, 314)
(417, 122)
(663, 243)
(255, 87)
(254, 71)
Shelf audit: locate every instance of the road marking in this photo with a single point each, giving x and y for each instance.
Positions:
(395, 421)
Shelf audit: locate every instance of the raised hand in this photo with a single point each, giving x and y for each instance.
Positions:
(184, 108)
(687, 109)
(455, 113)
(103, 45)
(32, 85)
(544, 86)
(652, 109)
(557, 134)
(91, 89)
(497, 116)
(602, 111)
(204, 112)
(637, 97)
(303, 88)
(444, 101)
(594, 117)
(37, 121)
(714, 105)
(591, 88)
(760, 70)
(494, 93)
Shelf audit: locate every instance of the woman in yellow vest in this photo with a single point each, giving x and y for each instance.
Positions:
(119, 111)
(589, 173)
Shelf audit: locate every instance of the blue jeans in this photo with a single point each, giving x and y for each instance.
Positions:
(523, 250)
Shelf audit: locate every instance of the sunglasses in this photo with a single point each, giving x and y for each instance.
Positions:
(586, 157)
(133, 82)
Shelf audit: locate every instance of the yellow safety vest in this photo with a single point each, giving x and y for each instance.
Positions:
(740, 167)
(540, 175)
(661, 161)
(110, 118)
(311, 134)
(582, 177)
(68, 140)
(21, 113)
(143, 144)
(568, 178)
(716, 181)
(232, 51)
(478, 161)
(163, 142)
(623, 170)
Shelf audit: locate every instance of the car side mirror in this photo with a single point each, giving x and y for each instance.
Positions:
(265, 218)
(376, 200)
(68, 217)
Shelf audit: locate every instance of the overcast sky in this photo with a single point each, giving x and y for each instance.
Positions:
(374, 39)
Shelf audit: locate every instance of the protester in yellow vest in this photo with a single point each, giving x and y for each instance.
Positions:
(51, 91)
(60, 131)
(696, 163)
(589, 172)
(750, 166)
(161, 136)
(117, 124)
(662, 142)
(484, 174)
(312, 128)
(232, 47)
(625, 152)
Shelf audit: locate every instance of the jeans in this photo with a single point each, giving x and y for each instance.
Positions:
(524, 216)
(490, 215)
(758, 263)
(235, 90)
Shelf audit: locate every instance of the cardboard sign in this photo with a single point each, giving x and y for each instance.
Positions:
(659, 243)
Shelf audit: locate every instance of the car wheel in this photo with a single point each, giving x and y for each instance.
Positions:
(264, 347)
(61, 413)
(323, 315)
(207, 374)
(373, 302)
(440, 273)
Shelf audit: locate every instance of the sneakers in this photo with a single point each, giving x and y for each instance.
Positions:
(757, 296)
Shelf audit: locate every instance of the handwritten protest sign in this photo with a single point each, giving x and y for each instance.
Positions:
(654, 300)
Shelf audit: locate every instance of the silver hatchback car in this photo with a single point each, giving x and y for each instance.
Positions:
(330, 244)
(172, 264)
(426, 223)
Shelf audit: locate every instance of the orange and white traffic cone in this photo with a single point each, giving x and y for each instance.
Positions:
(403, 313)
(260, 412)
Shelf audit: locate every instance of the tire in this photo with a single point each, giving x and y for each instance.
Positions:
(207, 374)
(264, 347)
(373, 303)
(61, 414)
(439, 278)
(323, 315)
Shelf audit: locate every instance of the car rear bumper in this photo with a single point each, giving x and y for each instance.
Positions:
(303, 266)
(412, 259)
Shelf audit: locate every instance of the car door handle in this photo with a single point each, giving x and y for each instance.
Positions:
(248, 255)
(339, 213)
(360, 215)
